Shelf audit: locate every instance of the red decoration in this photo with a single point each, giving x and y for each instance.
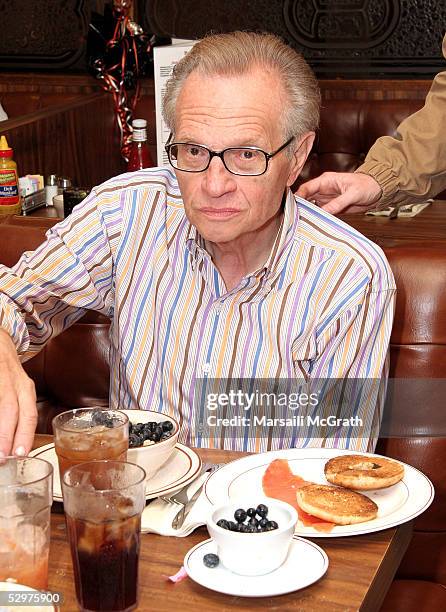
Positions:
(124, 53)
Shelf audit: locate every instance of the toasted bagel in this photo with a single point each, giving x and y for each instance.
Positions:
(337, 505)
(363, 473)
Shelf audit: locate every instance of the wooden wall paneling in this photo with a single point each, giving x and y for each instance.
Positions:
(374, 89)
(339, 38)
(44, 35)
(79, 139)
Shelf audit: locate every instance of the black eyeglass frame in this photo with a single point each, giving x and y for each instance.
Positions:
(220, 154)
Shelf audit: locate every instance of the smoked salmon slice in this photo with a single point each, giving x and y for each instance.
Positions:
(279, 482)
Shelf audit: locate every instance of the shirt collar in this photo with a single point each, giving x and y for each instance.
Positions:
(196, 245)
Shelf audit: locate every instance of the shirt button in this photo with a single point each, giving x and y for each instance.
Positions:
(206, 368)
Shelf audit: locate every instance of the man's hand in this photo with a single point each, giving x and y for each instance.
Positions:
(18, 410)
(338, 192)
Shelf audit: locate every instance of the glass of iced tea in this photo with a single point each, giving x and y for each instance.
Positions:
(87, 434)
(26, 495)
(103, 501)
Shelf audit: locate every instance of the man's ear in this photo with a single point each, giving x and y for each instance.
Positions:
(300, 156)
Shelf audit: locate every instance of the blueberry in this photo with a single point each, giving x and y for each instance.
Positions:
(211, 560)
(271, 525)
(263, 523)
(232, 526)
(254, 522)
(251, 512)
(243, 528)
(240, 515)
(167, 425)
(99, 417)
(223, 523)
(262, 510)
(250, 528)
(133, 440)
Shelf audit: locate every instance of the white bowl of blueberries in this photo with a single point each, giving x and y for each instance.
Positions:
(252, 540)
(152, 438)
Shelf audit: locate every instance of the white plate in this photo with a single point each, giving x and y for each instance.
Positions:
(397, 504)
(182, 467)
(305, 564)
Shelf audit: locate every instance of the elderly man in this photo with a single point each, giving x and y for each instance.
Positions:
(215, 270)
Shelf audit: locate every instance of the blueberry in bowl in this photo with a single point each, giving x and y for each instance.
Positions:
(152, 438)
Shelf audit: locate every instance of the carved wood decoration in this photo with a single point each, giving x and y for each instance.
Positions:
(44, 34)
(358, 38)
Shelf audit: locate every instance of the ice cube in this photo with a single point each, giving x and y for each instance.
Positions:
(10, 510)
(124, 506)
(31, 538)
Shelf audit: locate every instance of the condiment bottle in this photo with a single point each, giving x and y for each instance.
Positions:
(63, 182)
(9, 187)
(139, 156)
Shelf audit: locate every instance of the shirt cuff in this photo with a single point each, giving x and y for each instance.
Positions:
(15, 327)
(385, 178)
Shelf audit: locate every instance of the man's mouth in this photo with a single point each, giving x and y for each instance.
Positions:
(219, 213)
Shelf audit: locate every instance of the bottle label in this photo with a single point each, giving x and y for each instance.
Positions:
(9, 191)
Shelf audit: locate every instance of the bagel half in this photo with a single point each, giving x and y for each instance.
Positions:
(336, 505)
(363, 473)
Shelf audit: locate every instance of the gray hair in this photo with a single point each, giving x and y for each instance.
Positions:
(237, 53)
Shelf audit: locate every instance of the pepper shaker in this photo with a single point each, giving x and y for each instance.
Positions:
(63, 183)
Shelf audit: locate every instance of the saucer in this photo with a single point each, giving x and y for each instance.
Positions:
(182, 467)
(305, 564)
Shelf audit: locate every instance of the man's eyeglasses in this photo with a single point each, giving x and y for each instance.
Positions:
(242, 161)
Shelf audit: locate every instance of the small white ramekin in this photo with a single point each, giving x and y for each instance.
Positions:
(253, 554)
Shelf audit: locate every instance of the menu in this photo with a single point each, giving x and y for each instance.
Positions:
(164, 60)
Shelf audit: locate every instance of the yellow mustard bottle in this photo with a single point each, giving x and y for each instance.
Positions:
(9, 182)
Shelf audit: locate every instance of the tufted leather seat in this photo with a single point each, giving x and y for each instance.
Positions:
(418, 355)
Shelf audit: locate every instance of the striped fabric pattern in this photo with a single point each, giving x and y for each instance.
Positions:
(321, 307)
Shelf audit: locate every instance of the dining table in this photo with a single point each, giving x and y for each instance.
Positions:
(361, 567)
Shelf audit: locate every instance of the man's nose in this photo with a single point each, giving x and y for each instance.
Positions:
(218, 180)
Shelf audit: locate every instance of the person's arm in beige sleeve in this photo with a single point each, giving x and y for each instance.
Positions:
(412, 166)
(406, 168)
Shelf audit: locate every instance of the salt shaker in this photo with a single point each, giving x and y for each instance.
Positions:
(50, 189)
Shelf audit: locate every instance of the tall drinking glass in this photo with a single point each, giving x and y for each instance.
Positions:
(103, 501)
(26, 495)
(86, 434)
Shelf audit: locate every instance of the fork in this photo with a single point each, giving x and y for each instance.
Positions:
(182, 498)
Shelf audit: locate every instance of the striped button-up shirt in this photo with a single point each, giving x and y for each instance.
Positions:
(320, 308)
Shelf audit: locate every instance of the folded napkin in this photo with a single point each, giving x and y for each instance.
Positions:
(408, 210)
(157, 517)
